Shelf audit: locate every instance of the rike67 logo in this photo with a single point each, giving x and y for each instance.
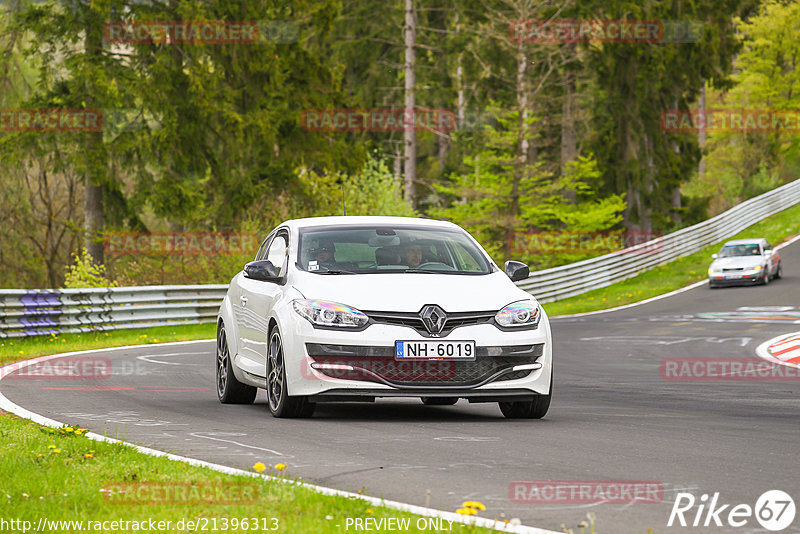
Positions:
(774, 510)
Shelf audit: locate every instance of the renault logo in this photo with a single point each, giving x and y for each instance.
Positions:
(434, 318)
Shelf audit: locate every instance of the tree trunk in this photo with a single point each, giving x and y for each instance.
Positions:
(520, 166)
(410, 135)
(569, 141)
(95, 151)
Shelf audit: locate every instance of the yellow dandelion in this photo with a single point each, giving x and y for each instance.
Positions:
(88, 455)
(68, 429)
(40, 455)
(369, 511)
(56, 451)
(280, 467)
(473, 504)
(259, 467)
(51, 446)
(467, 511)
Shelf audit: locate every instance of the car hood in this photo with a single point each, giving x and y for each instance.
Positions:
(410, 292)
(737, 262)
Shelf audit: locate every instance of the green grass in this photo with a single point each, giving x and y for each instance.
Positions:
(23, 348)
(58, 475)
(679, 273)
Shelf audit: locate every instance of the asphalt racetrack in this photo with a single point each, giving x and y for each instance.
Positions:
(615, 416)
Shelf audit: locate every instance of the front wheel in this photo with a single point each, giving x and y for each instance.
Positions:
(229, 389)
(779, 272)
(278, 399)
(534, 409)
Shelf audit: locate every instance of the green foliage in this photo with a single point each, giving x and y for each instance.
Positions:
(481, 199)
(371, 191)
(85, 273)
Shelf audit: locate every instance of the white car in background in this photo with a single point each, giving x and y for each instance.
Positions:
(339, 309)
(744, 262)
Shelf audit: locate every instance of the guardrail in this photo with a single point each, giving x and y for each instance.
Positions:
(46, 311)
(568, 280)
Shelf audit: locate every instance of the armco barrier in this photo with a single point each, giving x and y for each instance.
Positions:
(576, 278)
(31, 312)
(46, 311)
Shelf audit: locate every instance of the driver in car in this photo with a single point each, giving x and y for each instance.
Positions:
(323, 256)
(412, 255)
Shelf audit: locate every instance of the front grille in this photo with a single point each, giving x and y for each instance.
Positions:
(413, 320)
(371, 361)
(731, 269)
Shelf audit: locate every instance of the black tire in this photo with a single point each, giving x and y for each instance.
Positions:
(229, 389)
(278, 400)
(439, 401)
(779, 272)
(711, 285)
(534, 409)
(765, 279)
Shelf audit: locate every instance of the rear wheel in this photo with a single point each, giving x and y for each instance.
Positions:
(229, 389)
(534, 409)
(278, 399)
(779, 272)
(439, 401)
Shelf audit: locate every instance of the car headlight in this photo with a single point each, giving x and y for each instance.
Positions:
(758, 267)
(322, 313)
(710, 270)
(518, 314)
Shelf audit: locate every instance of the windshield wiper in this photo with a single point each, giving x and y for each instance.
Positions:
(335, 271)
(428, 271)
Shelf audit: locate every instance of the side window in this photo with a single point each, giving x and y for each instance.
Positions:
(277, 252)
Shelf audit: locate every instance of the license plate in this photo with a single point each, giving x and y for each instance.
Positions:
(732, 276)
(434, 350)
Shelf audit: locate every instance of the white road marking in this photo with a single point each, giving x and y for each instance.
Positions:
(214, 436)
(147, 358)
(666, 340)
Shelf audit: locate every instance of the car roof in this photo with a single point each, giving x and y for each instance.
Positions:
(757, 241)
(356, 220)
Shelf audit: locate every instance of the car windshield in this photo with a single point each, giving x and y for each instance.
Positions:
(750, 249)
(388, 249)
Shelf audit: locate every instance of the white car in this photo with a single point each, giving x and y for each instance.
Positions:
(339, 309)
(744, 261)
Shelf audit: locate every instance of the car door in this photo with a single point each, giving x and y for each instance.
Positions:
(256, 300)
(238, 300)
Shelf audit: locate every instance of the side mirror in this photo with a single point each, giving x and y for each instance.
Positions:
(516, 270)
(715, 256)
(262, 270)
(768, 252)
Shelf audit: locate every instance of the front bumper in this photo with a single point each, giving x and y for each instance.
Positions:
(341, 365)
(750, 279)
